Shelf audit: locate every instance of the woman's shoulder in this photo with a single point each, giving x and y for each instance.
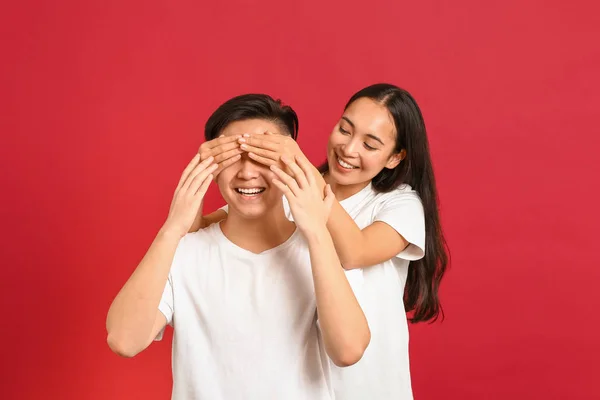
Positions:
(397, 202)
(403, 191)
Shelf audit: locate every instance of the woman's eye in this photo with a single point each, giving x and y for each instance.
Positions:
(343, 131)
(369, 147)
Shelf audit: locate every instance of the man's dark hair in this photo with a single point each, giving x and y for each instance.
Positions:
(252, 106)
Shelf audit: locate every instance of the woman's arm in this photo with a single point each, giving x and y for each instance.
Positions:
(356, 248)
(204, 221)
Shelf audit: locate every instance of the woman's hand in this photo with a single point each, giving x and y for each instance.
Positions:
(270, 148)
(310, 205)
(225, 150)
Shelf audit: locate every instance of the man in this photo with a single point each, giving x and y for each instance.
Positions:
(244, 295)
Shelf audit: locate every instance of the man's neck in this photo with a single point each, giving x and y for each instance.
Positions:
(258, 234)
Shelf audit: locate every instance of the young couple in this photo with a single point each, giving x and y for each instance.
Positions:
(300, 298)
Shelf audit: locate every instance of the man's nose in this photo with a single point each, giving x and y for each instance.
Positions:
(248, 169)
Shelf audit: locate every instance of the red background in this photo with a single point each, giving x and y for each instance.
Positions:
(103, 104)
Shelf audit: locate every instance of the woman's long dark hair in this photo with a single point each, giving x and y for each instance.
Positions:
(424, 275)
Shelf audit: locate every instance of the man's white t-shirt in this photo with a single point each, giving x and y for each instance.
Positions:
(245, 324)
(383, 373)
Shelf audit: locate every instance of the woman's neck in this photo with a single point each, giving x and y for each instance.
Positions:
(342, 192)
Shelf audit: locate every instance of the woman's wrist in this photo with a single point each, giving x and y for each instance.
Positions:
(319, 180)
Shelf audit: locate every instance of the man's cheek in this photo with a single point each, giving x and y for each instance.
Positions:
(222, 180)
(227, 171)
(269, 176)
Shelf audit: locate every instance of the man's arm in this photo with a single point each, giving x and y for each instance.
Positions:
(134, 318)
(345, 330)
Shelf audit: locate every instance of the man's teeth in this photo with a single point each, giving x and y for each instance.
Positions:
(345, 164)
(250, 191)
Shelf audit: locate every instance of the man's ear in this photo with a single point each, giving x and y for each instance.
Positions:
(395, 159)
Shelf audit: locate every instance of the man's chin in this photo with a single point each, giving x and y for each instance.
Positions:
(248, 211)
(251, 214)
(254, 208)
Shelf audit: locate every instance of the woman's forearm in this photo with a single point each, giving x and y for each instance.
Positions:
(347, 237)
(203, 221)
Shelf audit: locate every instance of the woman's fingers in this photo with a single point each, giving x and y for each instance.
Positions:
(225, 155)
(270, 154)
(267, 142)
(220, 141)
(262, 160)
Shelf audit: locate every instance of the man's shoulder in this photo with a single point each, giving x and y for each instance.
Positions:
(192, 250)
(297, 243)
(198, 240)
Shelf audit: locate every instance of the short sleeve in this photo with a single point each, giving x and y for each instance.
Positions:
(403, 211)
(225, 208)
(166, 305)
(167, 301)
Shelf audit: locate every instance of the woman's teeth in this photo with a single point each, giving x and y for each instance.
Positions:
(345, 164)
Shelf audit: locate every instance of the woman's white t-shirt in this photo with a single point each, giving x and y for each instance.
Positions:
(383, 373)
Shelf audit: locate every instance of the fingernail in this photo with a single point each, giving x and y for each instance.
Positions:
(242, 140)
(246, 135)
(244, 146)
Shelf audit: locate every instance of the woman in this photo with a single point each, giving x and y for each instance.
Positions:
(384, 223)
